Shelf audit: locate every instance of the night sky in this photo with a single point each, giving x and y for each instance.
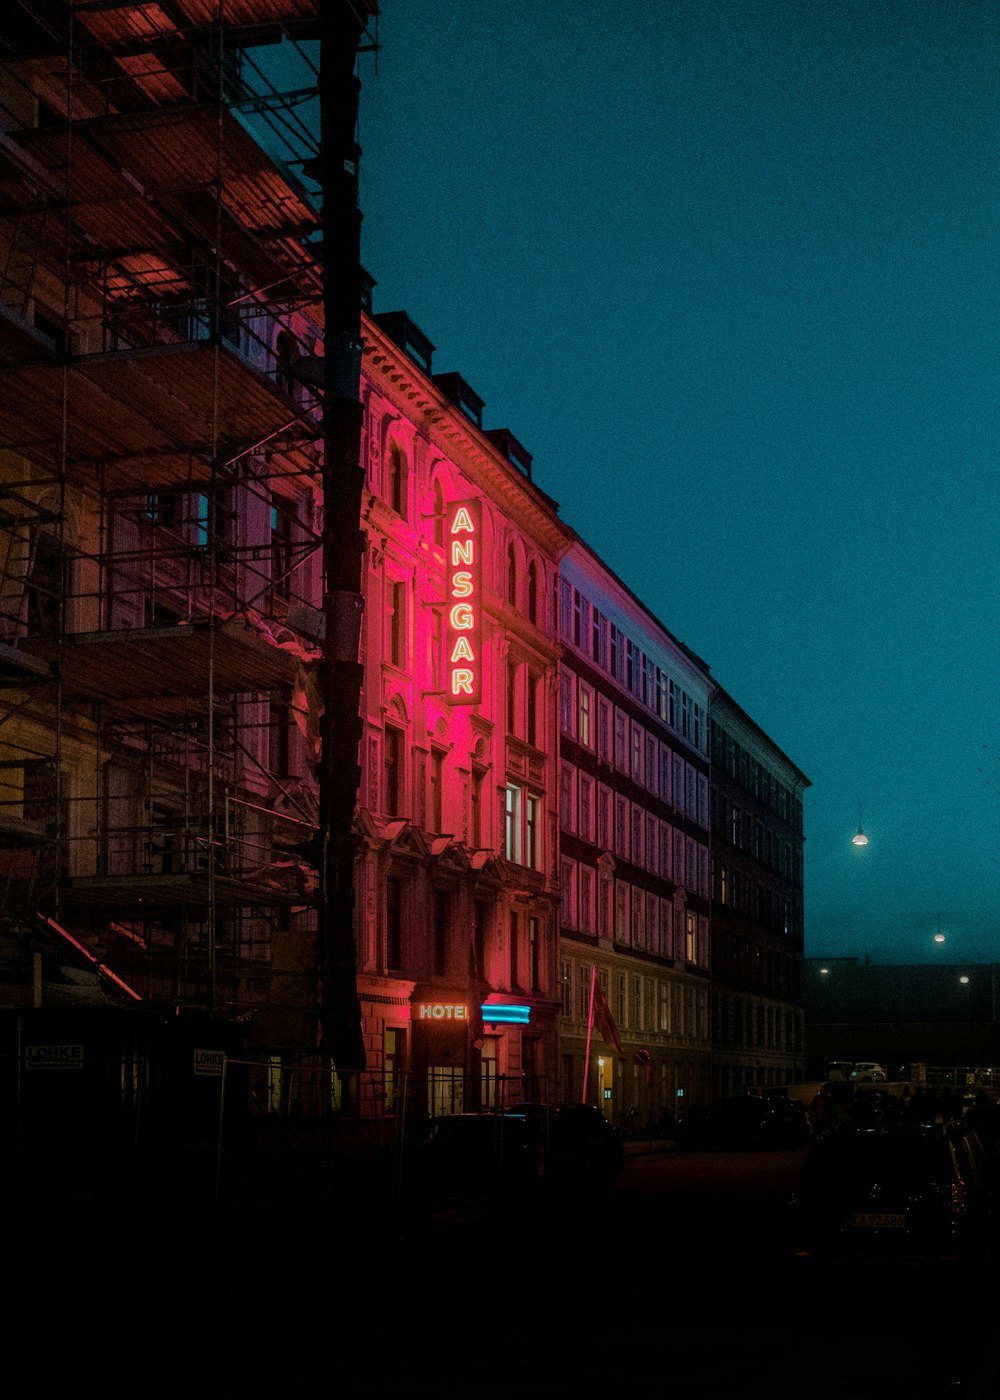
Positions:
(729, 270)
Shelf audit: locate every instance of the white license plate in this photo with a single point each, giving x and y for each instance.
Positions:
(879, 1220)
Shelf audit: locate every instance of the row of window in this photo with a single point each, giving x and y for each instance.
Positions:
(525, 593)
(729, 754)
(638, 1001)
(525, 684)
(753, 837)
(594, 812)
(516, 952)
(593, 901)
(629, 748)
(743, 894)
(606, 645)
(750, 1025)
(769, 969)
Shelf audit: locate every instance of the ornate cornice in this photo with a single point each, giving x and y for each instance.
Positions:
(395, 375)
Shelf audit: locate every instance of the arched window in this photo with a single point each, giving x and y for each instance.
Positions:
(395, 481)
(512, 575)
(533, 591)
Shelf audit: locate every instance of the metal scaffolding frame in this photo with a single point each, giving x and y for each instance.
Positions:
(160, 473)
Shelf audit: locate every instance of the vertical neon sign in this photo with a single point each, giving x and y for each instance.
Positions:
(464, 582)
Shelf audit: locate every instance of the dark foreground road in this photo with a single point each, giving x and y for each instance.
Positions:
(671, 1284)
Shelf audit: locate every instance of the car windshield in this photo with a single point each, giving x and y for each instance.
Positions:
(887, 1160)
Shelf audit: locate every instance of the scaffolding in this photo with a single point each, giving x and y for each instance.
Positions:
(160, 502)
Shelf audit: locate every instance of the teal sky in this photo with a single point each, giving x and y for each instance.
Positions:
(729, 270)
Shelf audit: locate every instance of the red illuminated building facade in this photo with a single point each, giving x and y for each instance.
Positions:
(457, 903)
(635, 861)
(535, 745)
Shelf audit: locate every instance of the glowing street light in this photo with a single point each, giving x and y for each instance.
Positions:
(939, 937)
(859, 838)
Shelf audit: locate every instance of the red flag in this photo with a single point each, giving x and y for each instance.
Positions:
(603, 1020)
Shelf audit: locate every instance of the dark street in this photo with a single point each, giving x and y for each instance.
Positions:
(672, 1283)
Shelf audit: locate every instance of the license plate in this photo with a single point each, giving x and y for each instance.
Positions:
(879, 1220)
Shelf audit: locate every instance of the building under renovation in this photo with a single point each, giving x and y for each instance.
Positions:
(323, 838)
(160, 508)
(166, 557)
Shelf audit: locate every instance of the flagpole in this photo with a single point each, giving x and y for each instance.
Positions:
(590, 1027)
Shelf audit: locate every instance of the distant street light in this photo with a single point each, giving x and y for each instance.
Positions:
(939, 937)
(964, 980)
(859, 838)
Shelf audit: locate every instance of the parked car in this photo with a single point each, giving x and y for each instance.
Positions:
(744, 1122)
(869, 1072)
(895, 1192)
(473, 1154)
(576, 1143)
(523, 1148)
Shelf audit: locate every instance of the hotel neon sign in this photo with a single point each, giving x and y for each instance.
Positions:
(493, 1014)
(464, 586)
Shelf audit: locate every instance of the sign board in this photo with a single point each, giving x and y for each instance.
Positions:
(53, 1057)
(440, 1011)
(211, 1062)
(464, 589)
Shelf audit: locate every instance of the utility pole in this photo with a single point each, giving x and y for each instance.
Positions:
(343, 23)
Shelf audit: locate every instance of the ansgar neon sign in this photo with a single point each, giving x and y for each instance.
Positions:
(464, 582)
